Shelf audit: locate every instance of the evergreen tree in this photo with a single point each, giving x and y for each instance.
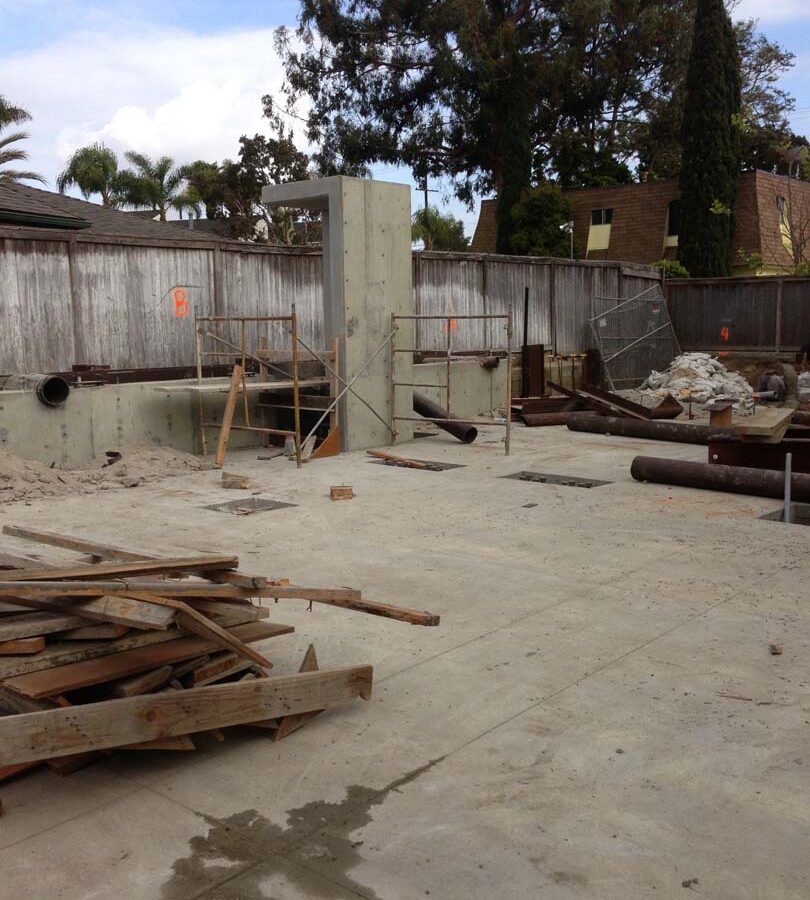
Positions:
(710, 138)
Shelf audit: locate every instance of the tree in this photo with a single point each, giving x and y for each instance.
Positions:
(93, 170)
(764, 134)
(437, 231)
(156, 184)
(710, 138)
(537, 218)
(9, 153)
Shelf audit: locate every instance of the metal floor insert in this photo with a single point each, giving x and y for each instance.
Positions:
(566, 480)
(248, 505)
(799, 514)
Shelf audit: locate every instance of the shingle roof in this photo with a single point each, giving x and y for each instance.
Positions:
(90, 217)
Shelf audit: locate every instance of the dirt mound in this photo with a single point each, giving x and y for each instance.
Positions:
(25, 479)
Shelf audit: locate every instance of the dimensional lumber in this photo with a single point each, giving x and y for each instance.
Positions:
(34, 623)
(290, 723)
(123, 569)
(117, 610)
(61, 654)
(217, 668)
(109, 552)
(713, 477)
(142, 683)
(22, 646)
(104, 631)
(114, 723)
(237, 381)
(71, 677)
(44, 589)
(195, 622)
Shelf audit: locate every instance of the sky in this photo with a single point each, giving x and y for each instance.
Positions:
(186, 78)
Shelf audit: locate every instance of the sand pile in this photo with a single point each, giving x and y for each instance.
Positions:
(701, 378)
(25, 479)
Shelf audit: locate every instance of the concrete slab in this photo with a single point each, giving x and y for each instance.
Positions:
(598, 716)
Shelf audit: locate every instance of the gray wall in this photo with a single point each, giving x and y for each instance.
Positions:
(69, 299)
(765, 313)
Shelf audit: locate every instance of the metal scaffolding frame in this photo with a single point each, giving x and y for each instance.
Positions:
(449, 321)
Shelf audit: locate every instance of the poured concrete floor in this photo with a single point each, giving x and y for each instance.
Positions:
(598, 714)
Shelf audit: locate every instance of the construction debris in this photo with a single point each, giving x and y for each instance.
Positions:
(341, 492)
(233, 481)
(699, 378)
(159, 662)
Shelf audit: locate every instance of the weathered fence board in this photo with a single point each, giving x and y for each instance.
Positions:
(69, 299)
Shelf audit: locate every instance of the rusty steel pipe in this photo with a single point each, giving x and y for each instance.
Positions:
(537, 420)
(731, 479)
(460, 429)
(653, 430)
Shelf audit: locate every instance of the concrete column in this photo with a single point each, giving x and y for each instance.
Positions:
(367, 278)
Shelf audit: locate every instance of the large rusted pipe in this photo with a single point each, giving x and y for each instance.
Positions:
(800, 417)
(460, 429)
(537, 420)
(653, 430)
(731, 479)
(52, 390)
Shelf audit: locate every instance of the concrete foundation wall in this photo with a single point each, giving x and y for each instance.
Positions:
(109, 417)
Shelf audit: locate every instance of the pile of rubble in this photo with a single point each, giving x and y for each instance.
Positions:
(700, 378)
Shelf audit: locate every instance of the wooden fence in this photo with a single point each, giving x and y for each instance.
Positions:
(755, 314)
(126, 302)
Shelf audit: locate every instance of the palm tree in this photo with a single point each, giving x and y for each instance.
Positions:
(13, 115)
(93, 170)
(157, 184)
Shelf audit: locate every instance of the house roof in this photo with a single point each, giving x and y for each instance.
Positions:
(34, 207)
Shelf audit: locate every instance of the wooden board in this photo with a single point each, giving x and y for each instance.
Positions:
(113, 723)
(108, 552)
(70, 677)
(122, 569)
(222, 387)
(22, 646)
(237, 382)
(34, 623)
(117, 610)
(142, 683)
(768, 425)
(104, 631)
(65, 653)
(290, 723)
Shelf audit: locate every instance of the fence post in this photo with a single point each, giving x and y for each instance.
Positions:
(778, 335)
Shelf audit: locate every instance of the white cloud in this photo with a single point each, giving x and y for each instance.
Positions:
(771, 11)
(185, 95)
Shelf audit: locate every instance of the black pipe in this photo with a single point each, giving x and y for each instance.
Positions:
(52, 390)
(460, 429)
(653, 430)
(731, 479)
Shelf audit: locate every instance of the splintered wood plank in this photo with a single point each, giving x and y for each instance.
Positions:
(116, 610)
(108, 552)
(22, 646)
(33, 623)
(102, 632)
(288, 724)
(195, 622)
(143, 683)
(114, 723)
(64, 653)
(116, 569)
(71, 677)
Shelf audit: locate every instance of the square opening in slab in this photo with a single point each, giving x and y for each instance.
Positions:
(799, 514)
(418, 465)
(248, 505)
(564, 480)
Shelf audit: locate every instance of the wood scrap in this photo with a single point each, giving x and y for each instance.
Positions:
(113, 723)
(34, 623)
(105, 631)
(22, 646)
(341, 492)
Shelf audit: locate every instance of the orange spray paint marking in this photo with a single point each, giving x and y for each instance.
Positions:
(181, 307)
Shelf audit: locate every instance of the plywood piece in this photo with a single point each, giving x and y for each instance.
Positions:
(114, 723)
(49, 682)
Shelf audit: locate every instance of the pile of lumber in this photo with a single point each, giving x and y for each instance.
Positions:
(125, 650)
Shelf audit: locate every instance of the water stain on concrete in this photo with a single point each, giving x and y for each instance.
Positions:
(244, 851)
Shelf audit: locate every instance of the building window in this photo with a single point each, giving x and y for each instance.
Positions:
(673, 223)
(601, 216)
(783, 208)
(599, 232)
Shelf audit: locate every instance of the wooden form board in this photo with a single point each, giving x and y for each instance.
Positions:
(113, 723)
(122, 569)
(223, 388)
(118, 610)
(83, 673)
